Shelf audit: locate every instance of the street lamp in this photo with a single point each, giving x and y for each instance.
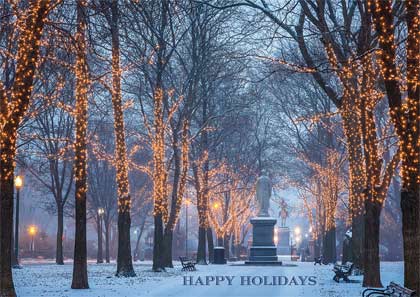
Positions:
(101, 212)
(187, 202)
(216, 205)
(18, 186)
(32, 230)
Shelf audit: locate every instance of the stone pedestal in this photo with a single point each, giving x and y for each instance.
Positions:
(263, 250)
(283, 245)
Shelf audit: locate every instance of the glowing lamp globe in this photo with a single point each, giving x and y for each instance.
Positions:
(18, 182)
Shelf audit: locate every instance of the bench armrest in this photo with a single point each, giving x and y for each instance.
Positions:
(367, 292)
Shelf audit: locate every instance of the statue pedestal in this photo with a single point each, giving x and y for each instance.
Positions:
(283, 245)
(263, 250)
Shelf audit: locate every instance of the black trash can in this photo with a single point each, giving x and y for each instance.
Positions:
(219, 255)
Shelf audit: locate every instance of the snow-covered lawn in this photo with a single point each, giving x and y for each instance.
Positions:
(48, 279)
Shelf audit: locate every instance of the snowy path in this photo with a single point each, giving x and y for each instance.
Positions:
(46, 279)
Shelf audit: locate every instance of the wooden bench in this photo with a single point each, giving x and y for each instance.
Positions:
(318, 261)
(187, 264)
(392, 290)
(343, 271)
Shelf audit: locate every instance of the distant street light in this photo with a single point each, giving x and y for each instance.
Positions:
(297, 231)
(275, 237)
(101, 212)
(216, 205)
(298, 237)
(32, 230)
(18, 182)
(18, 186)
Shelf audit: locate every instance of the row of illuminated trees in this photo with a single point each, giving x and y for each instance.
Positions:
(58, 71)
(360, 55)
(15, 100)
(186, 82)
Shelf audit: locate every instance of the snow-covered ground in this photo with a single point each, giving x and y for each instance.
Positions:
(48, 279)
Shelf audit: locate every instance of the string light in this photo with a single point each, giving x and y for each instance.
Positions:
(228, 213)
(121, 164)
(82, 84)
(405, 114)
(30, 25)
(158, 147)
(325, 186)
(358, 78)
(175, 211)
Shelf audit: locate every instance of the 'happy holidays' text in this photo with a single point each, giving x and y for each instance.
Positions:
(247, 280)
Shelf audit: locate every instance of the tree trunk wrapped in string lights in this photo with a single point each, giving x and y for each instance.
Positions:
(160, 209)
(178, 190)
(201, 179)
(124, 260)
(377, 183)
(160, 23)
(80, 277)
(359, 79)
(351, 121)
(405, 114)
(357, 75)
(13, 105)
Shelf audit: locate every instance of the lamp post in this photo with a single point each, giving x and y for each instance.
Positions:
(18, 186)
(135, 254)
(187, 202)
(101, 212)
(32, 230)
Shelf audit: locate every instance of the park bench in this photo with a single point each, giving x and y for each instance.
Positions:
(343, 271)
(318, 260)
(392, 290)
(187, 264)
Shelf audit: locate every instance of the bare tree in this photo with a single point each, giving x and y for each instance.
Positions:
(80, 277)
(48, 138)
(101, 179)
(124, 260)
(14, 102)
(405, 118)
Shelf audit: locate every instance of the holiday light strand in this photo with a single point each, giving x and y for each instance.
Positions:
(405, 114)
(82, 85)
(30, 27)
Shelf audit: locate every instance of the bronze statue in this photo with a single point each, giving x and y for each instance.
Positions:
(264, 188)
(284, 212)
